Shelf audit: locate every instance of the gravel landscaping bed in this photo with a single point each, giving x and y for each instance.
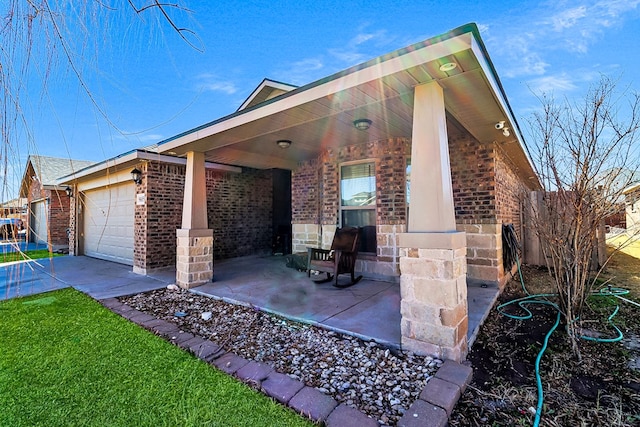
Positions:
(376, 380)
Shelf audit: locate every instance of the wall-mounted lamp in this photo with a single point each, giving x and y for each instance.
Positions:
(362, 124)
(136, 175)
(283, 143)
(69, 191)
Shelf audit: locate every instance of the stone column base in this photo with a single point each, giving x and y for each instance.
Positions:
(194, 259)
(433, 288)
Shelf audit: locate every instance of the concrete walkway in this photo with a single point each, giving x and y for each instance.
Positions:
(100, 279)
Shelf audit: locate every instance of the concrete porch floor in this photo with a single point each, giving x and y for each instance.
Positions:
(369, 310)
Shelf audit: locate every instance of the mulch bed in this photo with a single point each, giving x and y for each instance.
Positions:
(600, 390)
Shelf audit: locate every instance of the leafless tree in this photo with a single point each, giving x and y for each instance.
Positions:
(41, 37)
(585, 153)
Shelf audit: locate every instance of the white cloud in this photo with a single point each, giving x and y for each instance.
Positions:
(302, 72)
(552, 84)
(526, 39)
(306, 65)
(354, 51)
(211, 83)
(568, 18)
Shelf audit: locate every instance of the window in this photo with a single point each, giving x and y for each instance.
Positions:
(358, 201)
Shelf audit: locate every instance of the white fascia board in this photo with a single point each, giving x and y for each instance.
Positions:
(500, 98)
(137, 156)
(373, 72)
(495, 87)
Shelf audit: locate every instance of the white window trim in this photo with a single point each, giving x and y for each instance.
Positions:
(366, 207)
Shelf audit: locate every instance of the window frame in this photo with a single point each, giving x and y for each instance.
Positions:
(373, 206)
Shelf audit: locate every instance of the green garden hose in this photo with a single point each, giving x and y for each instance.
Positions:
(541, 299)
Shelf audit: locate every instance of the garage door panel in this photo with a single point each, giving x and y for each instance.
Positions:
(39, 221)
(109, 223)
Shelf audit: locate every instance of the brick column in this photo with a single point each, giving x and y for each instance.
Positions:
(432, 253)
(194, 252)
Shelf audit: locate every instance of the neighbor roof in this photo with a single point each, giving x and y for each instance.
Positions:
(48, 169)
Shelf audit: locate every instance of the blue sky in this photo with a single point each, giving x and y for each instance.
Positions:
(151, 85)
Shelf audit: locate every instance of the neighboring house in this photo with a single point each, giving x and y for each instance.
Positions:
(13, 217)
(15, 208)
(47, 202)
(632, 207)
(431, 119)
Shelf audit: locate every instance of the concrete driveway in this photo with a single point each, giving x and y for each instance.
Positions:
(100, 279)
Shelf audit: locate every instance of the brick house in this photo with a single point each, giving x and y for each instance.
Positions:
(47, 217)
(419, 147)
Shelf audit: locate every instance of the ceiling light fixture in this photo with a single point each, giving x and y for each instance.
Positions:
(283, 143)
(362, 124)
(448, 66)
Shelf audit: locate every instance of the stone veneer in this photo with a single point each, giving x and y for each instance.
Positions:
(484, 251)
(384, 265)
(433, 289)
(194, 265)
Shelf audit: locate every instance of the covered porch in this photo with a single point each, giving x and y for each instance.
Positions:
(369, 310)
(402, 109)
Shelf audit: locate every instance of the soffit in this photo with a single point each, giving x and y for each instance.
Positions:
(321, 116)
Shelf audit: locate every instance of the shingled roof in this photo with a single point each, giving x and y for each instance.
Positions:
(48, 169)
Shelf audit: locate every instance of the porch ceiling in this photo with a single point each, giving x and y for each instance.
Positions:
(320, 115)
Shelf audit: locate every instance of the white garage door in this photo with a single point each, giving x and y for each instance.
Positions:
(39, 221)
(108, 223)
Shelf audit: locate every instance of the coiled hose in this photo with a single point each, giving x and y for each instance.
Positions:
(510, 256)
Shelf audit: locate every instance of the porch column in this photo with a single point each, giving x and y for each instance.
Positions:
(194, 263)
(432, 253)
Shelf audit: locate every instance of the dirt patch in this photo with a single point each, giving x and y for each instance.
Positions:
(599, 390)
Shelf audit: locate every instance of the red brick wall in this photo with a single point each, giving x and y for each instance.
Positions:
(163, 184)
(486, 188)
(240, 209)
(509, 194)
(238, 204)
(304, 193)
(473, 178)
(58, 217)
(315, 186)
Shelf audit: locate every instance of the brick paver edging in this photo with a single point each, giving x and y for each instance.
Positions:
(432, 408)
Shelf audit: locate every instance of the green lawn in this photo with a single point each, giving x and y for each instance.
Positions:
(17, 256)
(67, 361)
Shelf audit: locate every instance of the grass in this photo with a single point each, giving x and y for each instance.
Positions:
(20, 256)
(68, 361)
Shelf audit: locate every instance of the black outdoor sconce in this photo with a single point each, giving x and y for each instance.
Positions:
(69, 191)
(136, 175)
